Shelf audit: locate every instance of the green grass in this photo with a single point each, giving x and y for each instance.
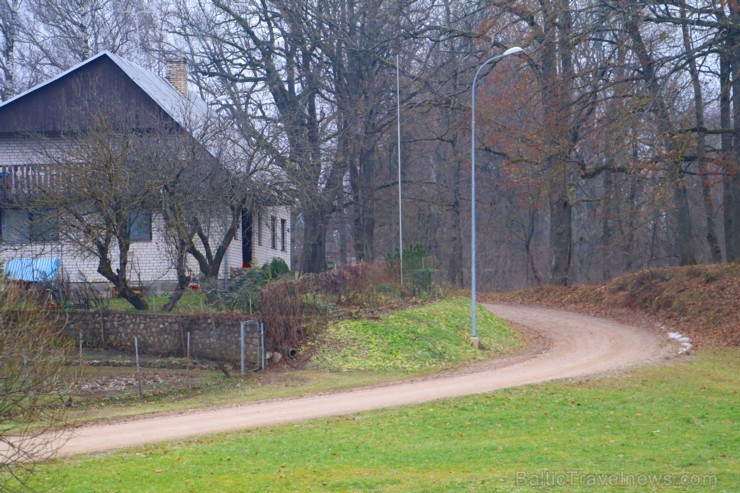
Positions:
(190, 303)
(653, 423)
(429, 337)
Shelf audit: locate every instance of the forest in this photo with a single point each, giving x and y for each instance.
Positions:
(608, 145)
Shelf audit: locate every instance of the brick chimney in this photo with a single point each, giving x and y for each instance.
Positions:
(177, 74)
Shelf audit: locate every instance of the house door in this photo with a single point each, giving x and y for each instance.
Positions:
(246, 238)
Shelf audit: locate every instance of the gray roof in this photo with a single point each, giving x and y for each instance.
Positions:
(182, 109)
(191, 113)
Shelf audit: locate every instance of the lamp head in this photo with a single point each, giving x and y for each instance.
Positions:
(512, 51)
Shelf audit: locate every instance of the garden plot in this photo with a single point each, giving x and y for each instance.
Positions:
(102, 375)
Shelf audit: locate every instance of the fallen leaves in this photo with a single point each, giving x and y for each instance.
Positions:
(701, 302)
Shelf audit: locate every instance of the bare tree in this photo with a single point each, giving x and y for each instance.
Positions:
(62, 33)
(715, 252)
(263, 57)
(102, 188)
(219, 175)
(9, 29)
(31, 405)
(609, 121)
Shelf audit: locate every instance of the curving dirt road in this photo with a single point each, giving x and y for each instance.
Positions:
(578, 345)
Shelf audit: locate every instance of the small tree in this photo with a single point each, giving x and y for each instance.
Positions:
(31, 359)
(102, 185)
(218, 175)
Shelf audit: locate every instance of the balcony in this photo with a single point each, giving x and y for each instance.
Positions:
(20, 180)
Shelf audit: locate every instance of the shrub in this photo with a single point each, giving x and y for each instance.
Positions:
(282, 314)
(422, 281)
(349, 284)
(31, 360)
(415, 271)
(278, 268)
(243, 294)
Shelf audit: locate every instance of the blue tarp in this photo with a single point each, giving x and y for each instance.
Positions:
(32, 270)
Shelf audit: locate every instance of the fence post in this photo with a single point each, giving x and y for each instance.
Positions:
(242, 331)
(187, 359)
(80, 351)
(262, 344)
(138, 367)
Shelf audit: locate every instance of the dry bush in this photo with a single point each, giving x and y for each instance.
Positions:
(31, 361)
(282, 314)
(288, 307)
(350, 284)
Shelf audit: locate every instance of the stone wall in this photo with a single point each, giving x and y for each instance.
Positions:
(215, 337)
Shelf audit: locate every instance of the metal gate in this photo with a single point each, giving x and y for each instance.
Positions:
(254, 328)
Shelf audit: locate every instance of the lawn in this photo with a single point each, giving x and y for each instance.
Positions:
(674, 424)
(190, 303)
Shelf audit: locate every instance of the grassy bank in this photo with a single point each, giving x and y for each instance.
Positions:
(434, 336)
(660, 425)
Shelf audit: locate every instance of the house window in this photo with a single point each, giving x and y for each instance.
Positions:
(15, 226)
(43, 225)
(259, 229)
(282, 235)
(24, 226)
(141, 226)
(273, 226)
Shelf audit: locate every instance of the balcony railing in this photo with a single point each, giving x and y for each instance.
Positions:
(17, 180)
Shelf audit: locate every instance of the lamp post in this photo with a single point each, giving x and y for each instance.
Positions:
(398, 127)
(473, 288)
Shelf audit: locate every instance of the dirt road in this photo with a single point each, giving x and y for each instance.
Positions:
(579, 345)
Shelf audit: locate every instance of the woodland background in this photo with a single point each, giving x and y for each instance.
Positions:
(610, 146)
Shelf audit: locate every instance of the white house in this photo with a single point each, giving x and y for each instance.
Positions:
(45, 112)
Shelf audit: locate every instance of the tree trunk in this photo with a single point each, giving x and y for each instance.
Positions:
(125, 292)
(683, 234)
(715, 253)
(342, 227)
(561, 227)
(606, 225)
(183, 280)
(529, 230)
(362, 179)
(725, 111)
(631, 219)
(556, 97)
(732, 192)
(314, 242)
(118, 279)
(209, 261)
(455, 262)
(450, 178)
(10, 31)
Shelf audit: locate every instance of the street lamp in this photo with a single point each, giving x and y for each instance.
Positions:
(510, 51)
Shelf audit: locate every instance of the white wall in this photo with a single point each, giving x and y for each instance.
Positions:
(19, 150)
(149, 261)
(265, 253)
(262, 253)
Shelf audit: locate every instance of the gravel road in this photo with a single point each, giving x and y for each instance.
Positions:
(577, 346)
